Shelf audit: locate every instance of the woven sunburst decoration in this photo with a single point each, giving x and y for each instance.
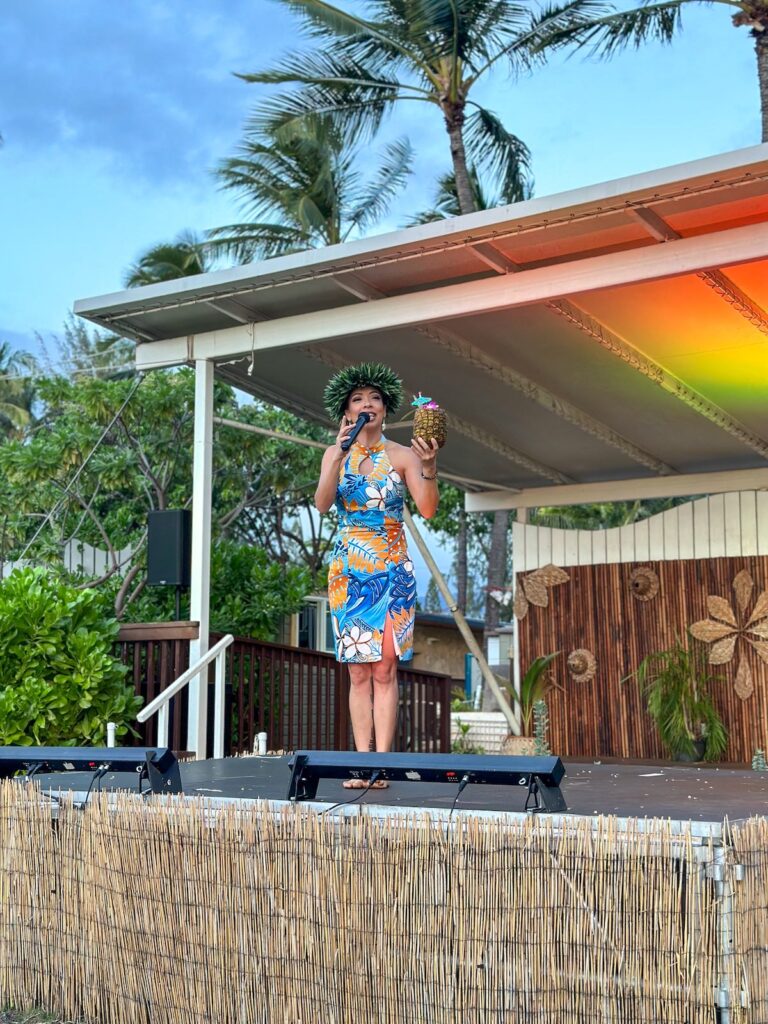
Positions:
(727, 626)
(643, 583)
(534, 588)
(582, 665)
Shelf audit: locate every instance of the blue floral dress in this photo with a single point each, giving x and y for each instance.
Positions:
(370, 576)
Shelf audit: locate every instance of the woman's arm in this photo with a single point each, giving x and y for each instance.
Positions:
(325, 495)
(418, 466)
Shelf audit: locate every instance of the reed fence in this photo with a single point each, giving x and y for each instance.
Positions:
(297, 696)
(175, 912)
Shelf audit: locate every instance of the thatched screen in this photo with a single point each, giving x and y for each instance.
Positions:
(620, 613)
(181, 913)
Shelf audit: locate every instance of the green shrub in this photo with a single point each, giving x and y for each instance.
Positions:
(59, 683)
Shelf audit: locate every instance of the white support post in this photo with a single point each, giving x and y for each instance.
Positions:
(201, 553)
(516, 673)
(218, 721)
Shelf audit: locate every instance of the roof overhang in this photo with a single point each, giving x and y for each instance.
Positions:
(607, 341)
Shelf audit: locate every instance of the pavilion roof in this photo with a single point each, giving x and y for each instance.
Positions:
(602, 343)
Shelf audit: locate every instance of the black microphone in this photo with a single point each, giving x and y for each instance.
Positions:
(362, 419)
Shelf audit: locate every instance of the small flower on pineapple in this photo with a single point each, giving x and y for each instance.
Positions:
(422, 400)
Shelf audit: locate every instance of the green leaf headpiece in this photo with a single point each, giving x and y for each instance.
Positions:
(364, 375)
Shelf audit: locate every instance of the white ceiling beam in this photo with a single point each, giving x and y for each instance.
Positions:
(236, 310)
(684, 485)
(494, 258)
(689, 255)
(355, 285)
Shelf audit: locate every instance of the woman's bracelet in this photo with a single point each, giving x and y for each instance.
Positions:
(425, 477)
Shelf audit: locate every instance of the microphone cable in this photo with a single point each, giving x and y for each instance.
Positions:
(363, 790)
(464, 782)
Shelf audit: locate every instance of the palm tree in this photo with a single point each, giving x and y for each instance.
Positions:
(300, 188)
(169, 260)
(447, 198)
(433, 51)
(16, 389)
(610, 33)
(602, 515)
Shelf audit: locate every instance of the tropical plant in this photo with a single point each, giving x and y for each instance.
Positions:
(183, 257)
(660, 21)
(534, 686)
(59, 682)
(676, 684)
(17, 390)
(301, 187)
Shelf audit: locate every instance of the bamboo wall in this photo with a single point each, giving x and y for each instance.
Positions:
(169, 913)
(596, 610)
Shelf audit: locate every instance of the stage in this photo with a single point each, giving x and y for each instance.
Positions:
(697, 793)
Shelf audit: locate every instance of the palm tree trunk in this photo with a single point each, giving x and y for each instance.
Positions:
(461, 562)
(454, 123)
(761, 50)
(497, 568)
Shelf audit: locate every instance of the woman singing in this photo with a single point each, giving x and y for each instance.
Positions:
(371, 586)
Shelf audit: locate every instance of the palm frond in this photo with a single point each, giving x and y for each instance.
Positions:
(394, 169)
(246, 243)
(499, 153)
(612, 32)
(325, 20)
(358, 112)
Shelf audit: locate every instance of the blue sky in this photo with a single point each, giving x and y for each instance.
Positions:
(113, 116)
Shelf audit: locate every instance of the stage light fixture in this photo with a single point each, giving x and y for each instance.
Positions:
(157, 764)
(540, 776)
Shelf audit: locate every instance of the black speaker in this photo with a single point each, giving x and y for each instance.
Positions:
(169, 547)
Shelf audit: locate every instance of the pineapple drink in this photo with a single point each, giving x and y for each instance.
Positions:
(429, 420)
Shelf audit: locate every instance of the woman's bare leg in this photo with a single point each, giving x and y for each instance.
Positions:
(361, 705)
(385, 696)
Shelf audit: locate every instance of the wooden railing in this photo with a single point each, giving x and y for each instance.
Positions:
(299, 698)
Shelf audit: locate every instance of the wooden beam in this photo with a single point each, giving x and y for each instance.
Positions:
(682, 486)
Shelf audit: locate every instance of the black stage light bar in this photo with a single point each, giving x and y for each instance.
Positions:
(540, 775)
(158, 764)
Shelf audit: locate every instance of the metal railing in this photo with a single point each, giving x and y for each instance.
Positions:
(159, 706)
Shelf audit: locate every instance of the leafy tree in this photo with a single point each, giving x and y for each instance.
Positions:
(251, 593)
(432, 601)
(59, 682)
(183, 257)
(102, 464)
(660, 21)
(301, 188)
(602, 515)
(84, 353)
(17, 391)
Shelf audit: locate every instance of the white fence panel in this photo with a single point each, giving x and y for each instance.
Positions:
(713, 527)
